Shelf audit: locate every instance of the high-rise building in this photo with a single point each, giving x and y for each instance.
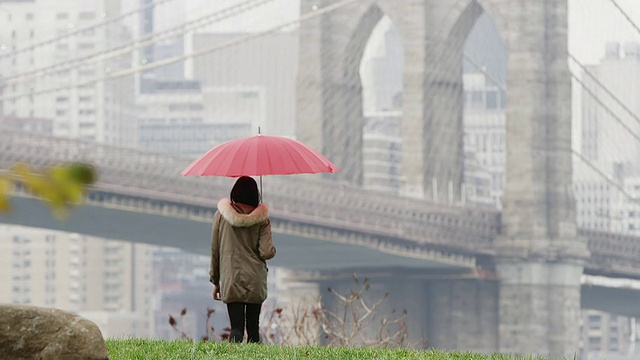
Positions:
(381, 69)
(109, 281)
(181, 281)
(171, 118)
(32, 125)
(44, 36)
(236, 111)
(600, 204)
(262, 69)
(382, 151)
(180, 117)
(607, 336)
(607, 139)
(381, 74)
(484, 140)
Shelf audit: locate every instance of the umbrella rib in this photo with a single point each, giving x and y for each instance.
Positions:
(300, 155)
(262, 155)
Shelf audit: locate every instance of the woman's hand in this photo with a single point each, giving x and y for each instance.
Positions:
(216, 292)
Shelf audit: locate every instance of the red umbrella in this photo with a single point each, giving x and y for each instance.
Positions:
(260, 155)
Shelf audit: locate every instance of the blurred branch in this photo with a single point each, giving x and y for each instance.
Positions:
(366, 325)
(61, 186)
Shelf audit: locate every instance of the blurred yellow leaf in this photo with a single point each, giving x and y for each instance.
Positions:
(5, 188)
(59, 174)
(38, 184)
(67, 185)
(74, 193)
(61, 186)
(84, 174)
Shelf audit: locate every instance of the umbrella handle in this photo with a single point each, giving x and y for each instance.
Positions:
(260, 175)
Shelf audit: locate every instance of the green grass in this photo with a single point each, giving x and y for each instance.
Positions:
(140, 349)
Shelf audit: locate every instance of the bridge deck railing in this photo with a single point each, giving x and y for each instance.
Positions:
(313, 197)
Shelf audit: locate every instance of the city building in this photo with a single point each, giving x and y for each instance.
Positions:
(609, 122)
(382, 151)
(171, 118)
(179, 117)
(607, 336)
(381, 74)
(109, 281)
(609, 205)
(381, 69)
(158, 19)
(484, 140)
(79, 98)
(39, 126)
(237, 111)
(261, 69)
(181, 281)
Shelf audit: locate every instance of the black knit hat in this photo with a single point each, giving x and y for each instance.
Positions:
(245, 191)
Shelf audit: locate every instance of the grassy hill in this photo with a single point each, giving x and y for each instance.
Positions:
(138, 349)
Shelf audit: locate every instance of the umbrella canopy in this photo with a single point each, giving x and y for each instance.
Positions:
(260, 155)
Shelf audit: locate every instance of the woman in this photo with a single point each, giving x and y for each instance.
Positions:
(240, 245)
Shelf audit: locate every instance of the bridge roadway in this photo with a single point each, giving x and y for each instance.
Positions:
(300, 204)
(140, 191)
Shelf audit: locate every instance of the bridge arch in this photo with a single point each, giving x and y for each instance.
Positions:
(329, 106)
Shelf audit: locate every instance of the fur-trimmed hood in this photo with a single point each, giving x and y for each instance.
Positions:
(257, 216)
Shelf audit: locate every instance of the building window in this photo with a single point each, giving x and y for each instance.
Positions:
(87, 72)
(62, 16)
(85, 46)
(87, 15)
(492, 99)
(28, 16)
(475, 99)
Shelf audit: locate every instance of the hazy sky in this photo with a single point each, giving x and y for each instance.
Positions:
(260, 18)
(592, 23)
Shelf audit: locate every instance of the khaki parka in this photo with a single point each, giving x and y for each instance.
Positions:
(240, 245)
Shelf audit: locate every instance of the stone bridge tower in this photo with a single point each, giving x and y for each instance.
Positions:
(539, 255)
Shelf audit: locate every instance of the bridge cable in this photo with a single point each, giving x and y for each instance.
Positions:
(626, 16)
(84, 29)
(124, 49)
(573, 151)
(178, 58)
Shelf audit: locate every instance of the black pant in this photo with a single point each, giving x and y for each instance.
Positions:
(241, 313)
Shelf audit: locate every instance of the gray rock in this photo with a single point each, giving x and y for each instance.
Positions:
(30, 332)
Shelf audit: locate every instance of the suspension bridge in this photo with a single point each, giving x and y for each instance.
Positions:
(109, 83)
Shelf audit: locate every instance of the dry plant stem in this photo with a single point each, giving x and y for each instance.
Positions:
(352, 322)
(347, 325)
